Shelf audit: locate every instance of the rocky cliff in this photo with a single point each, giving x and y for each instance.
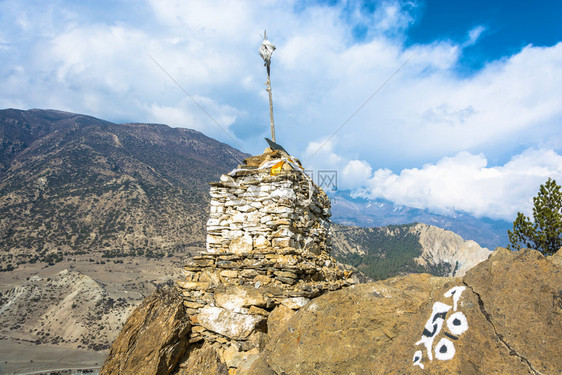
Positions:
(442, 246)
(67, 315)
(69, 309)
(357, 211)
(503, 317)
(382, 252)
(154, 338)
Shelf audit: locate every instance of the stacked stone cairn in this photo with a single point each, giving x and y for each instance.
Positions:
(267, 255)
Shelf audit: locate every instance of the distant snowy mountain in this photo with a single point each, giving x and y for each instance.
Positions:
(370, 213)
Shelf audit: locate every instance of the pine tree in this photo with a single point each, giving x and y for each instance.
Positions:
(545, 233)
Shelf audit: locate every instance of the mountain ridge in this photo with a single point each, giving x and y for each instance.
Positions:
(359, 211)
(74, 183)
(383, 252)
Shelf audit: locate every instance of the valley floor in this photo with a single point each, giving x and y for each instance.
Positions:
(26, 358)
(124, 279)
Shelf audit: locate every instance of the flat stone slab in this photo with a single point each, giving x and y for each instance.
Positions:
(227, 323)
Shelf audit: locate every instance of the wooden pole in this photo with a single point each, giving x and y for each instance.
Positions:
(266, 50)
(268, 84)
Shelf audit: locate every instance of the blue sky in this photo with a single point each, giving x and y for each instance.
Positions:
(508, 26)
(471, 122)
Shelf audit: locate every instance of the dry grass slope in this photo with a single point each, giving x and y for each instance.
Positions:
(72, 184)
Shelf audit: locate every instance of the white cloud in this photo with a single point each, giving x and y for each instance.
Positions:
(58, 55)
(465, 182)
(355, 173)
(392, 17)
(213, 17)
(214, 120)
(426, 112)
(473, 35)
(320, 76)
(323, 155)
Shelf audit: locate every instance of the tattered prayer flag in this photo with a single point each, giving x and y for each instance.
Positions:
(295, 163)
(276, 168)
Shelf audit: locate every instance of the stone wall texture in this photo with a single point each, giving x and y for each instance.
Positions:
(267, 256)
(272, 205)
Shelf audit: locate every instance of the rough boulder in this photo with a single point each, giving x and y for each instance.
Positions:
(503, 317)
(154, 338)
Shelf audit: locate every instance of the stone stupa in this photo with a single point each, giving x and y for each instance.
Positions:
(268, 248)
